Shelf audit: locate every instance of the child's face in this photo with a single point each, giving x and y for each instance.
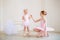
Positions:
(25, 11)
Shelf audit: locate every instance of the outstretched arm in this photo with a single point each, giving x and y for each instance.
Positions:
(30, 16)
(35, 20)
(22, 17)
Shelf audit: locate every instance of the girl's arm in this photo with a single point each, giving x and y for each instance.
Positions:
(30, 16)
(22, 17)
(37, 20)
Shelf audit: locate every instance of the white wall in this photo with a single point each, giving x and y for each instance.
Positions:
(53, 9)
(1, 14)
(13, 9)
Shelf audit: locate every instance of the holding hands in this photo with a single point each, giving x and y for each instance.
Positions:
(33, 18)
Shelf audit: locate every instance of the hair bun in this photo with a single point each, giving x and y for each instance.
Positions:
(44, 12)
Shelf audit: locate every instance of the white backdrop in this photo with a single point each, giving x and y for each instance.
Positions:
(53, 9)
(13, 10)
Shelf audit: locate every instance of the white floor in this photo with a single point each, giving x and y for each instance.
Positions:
(19, 36)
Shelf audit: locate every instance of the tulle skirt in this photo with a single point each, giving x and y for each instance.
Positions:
(47, 28)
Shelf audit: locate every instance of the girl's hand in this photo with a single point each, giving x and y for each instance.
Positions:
(34, 20)
(31, 16)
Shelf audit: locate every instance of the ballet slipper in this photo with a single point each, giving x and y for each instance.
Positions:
(46, 35)
(39, 35)
(24, 34)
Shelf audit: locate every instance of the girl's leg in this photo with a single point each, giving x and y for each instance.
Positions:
(28, 31)
(36, 30)
(40, 34)
(24, 30)
(45, 33)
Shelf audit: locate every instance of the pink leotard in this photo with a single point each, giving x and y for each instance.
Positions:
(26, 18)
(42, 25)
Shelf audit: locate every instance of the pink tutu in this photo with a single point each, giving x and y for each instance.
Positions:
(39, 28)
(26, 23)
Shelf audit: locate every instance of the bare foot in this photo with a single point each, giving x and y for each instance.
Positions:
(24, 34)
(28, 34)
